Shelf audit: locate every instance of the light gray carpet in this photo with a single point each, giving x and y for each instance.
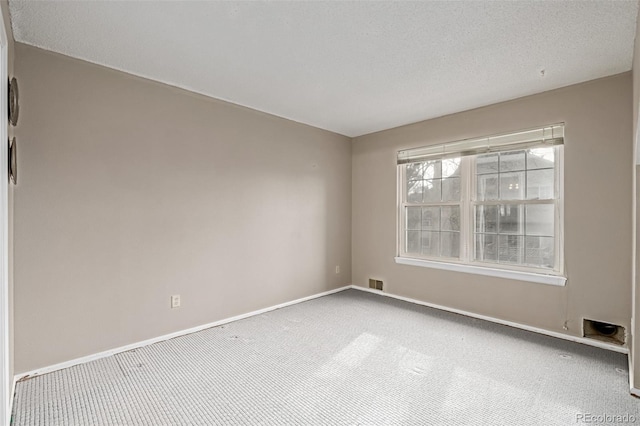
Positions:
(352, 358)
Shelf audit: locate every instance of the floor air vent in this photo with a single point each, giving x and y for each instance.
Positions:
(603, 331)
(375, 284)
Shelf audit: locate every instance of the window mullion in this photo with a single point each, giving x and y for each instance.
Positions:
(465, 210)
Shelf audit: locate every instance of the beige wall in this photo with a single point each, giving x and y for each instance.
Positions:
(131, 191)
(598, 222)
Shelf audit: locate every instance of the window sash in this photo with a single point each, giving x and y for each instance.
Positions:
(468, 205)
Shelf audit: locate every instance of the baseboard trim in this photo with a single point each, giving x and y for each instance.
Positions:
(576, 339)
(635, 392)
(136, 345)
(104, 354)
(631, 376)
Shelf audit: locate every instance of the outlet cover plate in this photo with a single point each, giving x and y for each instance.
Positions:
(175, 301)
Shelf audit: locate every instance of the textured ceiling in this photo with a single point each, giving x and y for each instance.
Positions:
(350, 67)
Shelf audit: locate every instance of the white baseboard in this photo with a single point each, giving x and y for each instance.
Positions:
(104, 354)
(632, 388)
(577, 339)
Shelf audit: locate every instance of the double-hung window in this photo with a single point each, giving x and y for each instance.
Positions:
(493, 202)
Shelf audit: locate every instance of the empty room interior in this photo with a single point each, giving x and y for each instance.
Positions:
(319, 212)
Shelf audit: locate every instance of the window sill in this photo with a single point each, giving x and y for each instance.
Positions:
(481, 270)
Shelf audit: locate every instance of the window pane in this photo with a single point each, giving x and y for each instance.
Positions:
(450, 218)
(487, 187)
(512, 186)
(451, 167)
(539, 251)
(431, 190)
(413, 171)
(541, 158)
(423, 170)
(512, 161)
(413, 217)
(511, 249)
(431, 218)
(414, 191)
(431, 169)
(430, 243)
(413, 242)
(540, 184)
(487, 163)
(511, 220)
(540, 218)
(486, 248)
(450, 244)
(487, 219)
(451, 189)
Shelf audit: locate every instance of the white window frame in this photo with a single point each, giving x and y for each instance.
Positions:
(466, 262)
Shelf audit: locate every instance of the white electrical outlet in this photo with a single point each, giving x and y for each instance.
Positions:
(175, 301)
(337, 269)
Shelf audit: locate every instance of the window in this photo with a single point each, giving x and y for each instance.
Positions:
(433, 208)
(493, 202)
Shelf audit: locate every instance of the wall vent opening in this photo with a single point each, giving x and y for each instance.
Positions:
(604, 331)
(375, 284)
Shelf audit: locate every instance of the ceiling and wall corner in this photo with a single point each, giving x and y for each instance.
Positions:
(350, 67)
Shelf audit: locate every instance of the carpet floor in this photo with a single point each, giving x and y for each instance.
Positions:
(351, 358)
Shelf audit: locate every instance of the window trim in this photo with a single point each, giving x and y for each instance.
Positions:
(466, 263)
